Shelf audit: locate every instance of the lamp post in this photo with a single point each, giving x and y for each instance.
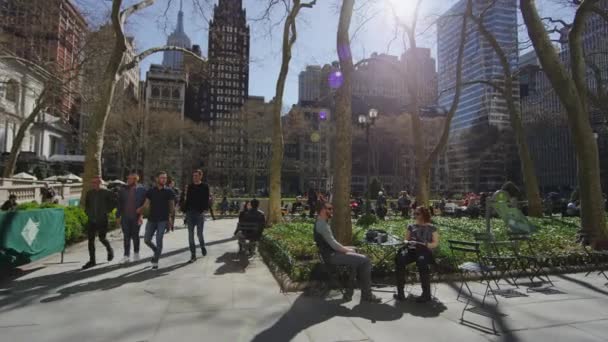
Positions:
(366, 122)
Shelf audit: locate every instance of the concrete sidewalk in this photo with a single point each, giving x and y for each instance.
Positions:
(218, 299)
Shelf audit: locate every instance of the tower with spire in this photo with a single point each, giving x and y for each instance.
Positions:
(229, 38)
(175, 59)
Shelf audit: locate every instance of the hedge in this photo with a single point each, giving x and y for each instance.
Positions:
(291, 245)
(75, 219)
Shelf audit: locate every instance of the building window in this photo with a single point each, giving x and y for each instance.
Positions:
(12, 91)
(176, 94)
(155, 92)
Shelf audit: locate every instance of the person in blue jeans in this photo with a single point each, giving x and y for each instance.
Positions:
(161, 201)
(130, 198)
(196, 202)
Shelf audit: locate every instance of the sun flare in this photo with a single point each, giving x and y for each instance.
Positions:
(402, 8)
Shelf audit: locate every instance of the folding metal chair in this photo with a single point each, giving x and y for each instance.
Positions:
(529, 259)
(597, 258)
(477, 266)
(473, 250)
(500, 255)
(341, 275)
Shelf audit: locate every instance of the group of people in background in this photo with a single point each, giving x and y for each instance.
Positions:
(159, 202)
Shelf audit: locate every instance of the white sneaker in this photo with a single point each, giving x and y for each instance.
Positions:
(136, 257)
(125, 260)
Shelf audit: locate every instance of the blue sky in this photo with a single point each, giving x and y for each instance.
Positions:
(373, 23)
(315, 44)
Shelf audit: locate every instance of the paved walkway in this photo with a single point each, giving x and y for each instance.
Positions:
(216, 299)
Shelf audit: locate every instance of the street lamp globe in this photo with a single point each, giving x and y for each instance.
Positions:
(373, 113)
(362, 119)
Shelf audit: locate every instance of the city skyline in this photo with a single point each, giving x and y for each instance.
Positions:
(313, 47)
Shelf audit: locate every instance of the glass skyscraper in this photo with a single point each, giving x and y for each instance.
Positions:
(480, 148)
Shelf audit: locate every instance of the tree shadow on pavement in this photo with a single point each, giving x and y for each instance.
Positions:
(307, 312)
(137, 276)
(232, 263)
(493, 311)
(583, 283)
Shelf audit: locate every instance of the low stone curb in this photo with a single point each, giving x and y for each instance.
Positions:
(288, 285)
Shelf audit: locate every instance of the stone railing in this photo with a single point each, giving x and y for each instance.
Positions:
(28, 190)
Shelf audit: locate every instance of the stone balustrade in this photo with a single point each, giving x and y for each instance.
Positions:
(28, 190)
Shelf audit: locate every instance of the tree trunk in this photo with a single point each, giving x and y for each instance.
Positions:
(535, 204)
(9, 168)
(276, 163)
(341, 223)
(101, 110)
(527, 164)
(571, 92)
(424, 169)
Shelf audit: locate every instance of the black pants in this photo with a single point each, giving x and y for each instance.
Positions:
(423, 257)
(405, 212)
(97, 229)
(311, 209)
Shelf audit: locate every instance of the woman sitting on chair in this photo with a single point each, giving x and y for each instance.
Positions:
(421, 238)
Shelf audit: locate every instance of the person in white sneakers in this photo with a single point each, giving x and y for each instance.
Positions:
(130, 198)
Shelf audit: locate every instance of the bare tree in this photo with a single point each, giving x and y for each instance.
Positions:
(116, 65)
(571, 88)
(341, 223)
(505, 88)
(289, 39)
(426, 160)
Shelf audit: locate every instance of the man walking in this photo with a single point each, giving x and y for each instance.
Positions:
(196, 202)
(98, 203)
(334, 253)
(130, 198)
(161, 201)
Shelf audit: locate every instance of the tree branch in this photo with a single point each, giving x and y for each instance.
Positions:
(137, 59)
(124, 15)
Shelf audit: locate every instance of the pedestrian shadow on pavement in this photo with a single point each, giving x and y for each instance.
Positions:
(133, 277)
(17, 293)
(232, 263)
(307, 312)
(430, 309)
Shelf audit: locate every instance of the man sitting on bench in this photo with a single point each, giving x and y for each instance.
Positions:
(253, 215)
(334, 253)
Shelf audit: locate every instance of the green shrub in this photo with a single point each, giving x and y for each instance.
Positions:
(75, 219)
(367, 220)
(291, 246)
(75, 224)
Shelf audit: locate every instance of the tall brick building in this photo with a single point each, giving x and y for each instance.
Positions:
(50, 33)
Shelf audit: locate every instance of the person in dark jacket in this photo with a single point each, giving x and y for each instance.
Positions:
(196, 202)
(98, 204)
(130, 198)
(10, 204)
(312, 201)
(254, 215)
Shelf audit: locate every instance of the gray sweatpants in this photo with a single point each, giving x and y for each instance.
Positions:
(360, 265)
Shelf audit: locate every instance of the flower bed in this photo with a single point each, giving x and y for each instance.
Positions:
(291, 247)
